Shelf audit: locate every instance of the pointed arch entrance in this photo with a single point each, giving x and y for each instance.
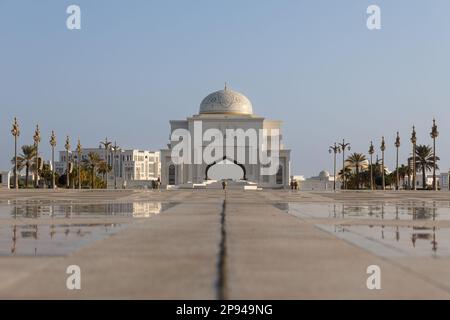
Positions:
(225, 159)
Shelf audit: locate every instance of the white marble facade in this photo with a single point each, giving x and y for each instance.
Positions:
(225, 109)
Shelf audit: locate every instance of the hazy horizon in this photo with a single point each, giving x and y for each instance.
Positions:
(314, 65)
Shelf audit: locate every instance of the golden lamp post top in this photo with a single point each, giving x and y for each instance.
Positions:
(67, 145)
(15, 131)
(397, 141)
(53, 139)
(37, 135)
(413, 135)
(371, 148)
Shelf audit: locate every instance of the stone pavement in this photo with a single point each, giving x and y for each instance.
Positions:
(238, 245)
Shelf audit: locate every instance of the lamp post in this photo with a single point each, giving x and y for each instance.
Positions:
(335, 149)
(397, 145)
(371, 152)
(37, 139)
(53, 144)
(382, 148)
(67, 147)
(343, 146)
(115, 147)
(414, 141)
(15, 131)
(78, 163)
(434, 134)
(107, 145)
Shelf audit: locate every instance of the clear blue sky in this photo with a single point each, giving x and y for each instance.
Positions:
(135, 65)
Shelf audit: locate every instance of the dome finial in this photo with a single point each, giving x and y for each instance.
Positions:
(225, 86)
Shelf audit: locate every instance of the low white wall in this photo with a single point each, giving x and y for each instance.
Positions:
(5, 177)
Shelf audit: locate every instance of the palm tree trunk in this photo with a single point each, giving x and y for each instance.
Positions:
(26, 176)
(423, 177)
(357, 177)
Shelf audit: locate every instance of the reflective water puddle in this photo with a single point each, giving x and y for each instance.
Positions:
(393, 241)
(400, 211)
(128, 209)
(51, 240)
(60, 239)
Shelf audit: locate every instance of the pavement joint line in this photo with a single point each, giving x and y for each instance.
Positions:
(221, 284)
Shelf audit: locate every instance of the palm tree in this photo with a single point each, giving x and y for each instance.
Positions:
(359, 162)
(84, 175)
(91, 163)
(26, 160)
(377, 168)
(425, 160)
(346, 174)
(46, 174)
(107, 144)
(104, 168)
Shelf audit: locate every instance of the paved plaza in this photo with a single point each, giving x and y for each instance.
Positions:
(208, 244)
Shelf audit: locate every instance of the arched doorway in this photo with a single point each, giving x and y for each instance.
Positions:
(172, 175)
(225, 169)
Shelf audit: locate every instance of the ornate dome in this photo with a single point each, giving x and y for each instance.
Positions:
(226, 101)
(324, 174)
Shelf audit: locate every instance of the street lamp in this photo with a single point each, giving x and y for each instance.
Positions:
(53, 144)
(434, 134)
(371, 152)
(382, 148)
(78, 163)
(414, 141)
(67, 147)
(107, 145)
(343, 146)
(397, 145)
(37, 139)
(335, 149)
(114, 148)
(15, 131)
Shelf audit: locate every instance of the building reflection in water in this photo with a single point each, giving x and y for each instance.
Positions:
(56, 239)
(134, 209)
(53, 239)
(411, 210)
(426, 237)
(416, 239)
(422, 211)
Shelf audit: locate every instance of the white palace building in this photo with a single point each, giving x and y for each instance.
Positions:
(132, 168)
(226, 111)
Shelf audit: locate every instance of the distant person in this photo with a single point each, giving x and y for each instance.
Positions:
(224, 185)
